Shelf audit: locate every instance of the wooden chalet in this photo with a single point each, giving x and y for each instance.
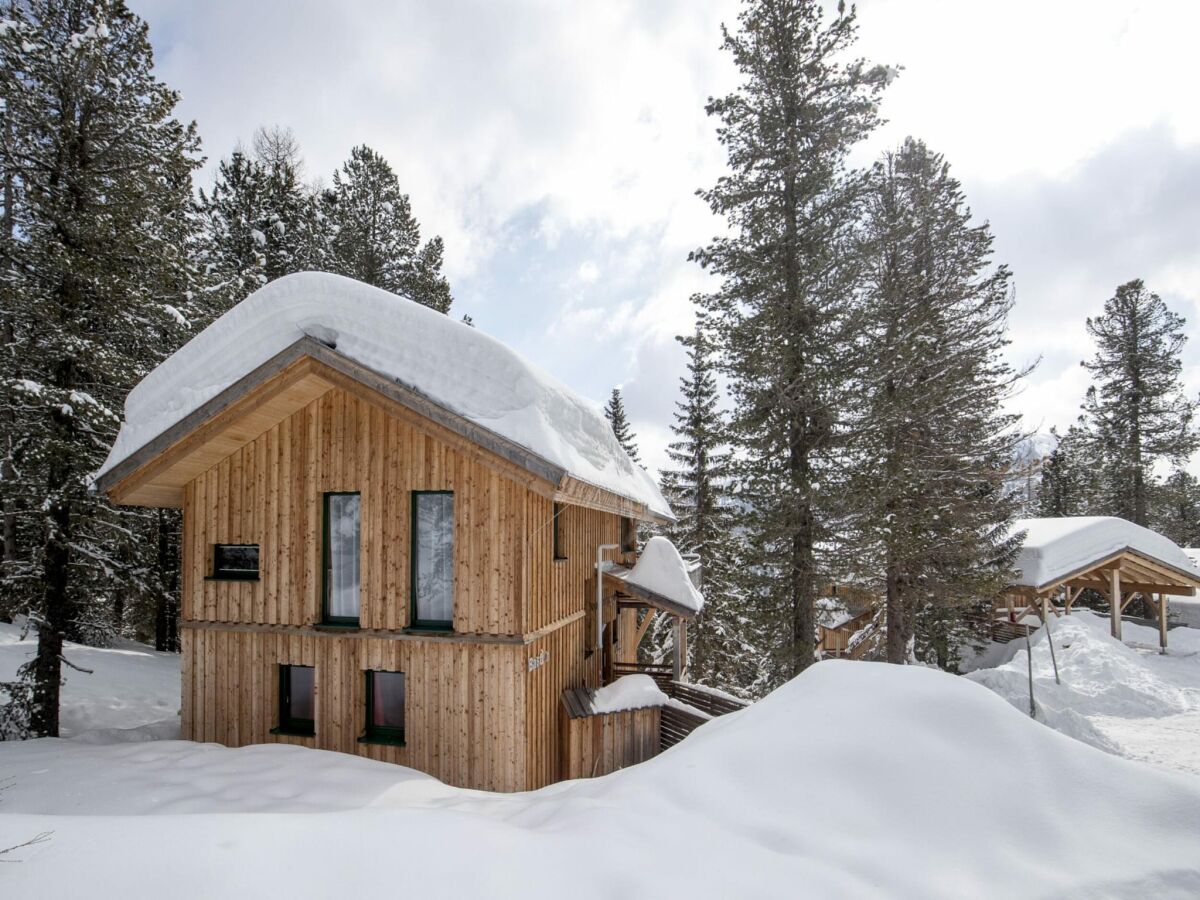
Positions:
(1063, 557)
(373, 565)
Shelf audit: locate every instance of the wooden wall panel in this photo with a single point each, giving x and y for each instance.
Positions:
(596, 745)
(562, 666)
(465, 713)
(270, 493)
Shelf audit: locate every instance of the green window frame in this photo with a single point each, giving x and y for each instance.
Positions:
(328, 618)
(559, 549)
(375, 732)
(289, 722)
(417, 622)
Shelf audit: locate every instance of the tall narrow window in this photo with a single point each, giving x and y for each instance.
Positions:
(628, 534)
(560, 547)
(297, 700)
(385, 708)
(433, 559)
(341, 559)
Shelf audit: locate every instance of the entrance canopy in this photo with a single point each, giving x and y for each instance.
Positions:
(1065, 556)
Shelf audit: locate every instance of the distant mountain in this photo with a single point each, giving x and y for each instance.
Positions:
(1029, 455)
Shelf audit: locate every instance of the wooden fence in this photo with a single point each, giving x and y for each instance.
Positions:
(594, 744)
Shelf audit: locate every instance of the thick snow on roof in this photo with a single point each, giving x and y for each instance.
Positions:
(455, 365)
(1055, 548)
(628, 692)
(661, 570)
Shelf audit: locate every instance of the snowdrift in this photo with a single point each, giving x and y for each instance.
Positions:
(455, 365)
(854, 780)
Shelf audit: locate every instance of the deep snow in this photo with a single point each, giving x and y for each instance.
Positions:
(661, 570)
(457, 366)
(856, 779)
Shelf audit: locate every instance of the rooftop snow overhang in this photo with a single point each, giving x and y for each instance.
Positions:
(617, 577)
(156, 473)
(1138, 572)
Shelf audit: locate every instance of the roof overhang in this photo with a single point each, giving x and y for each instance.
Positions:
(156, 473)
(613, 577)
(1138, 572)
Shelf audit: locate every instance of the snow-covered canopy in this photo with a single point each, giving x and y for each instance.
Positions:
(661, 570)
(457, 366)
(1057, 547)
(628, 692)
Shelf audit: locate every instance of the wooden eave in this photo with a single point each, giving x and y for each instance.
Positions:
(156, 473)
(1139, 572)
(646, 597)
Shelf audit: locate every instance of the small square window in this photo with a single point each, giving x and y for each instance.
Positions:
(235, 562)
(385, 708)
(297, 700)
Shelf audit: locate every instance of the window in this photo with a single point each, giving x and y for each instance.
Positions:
(235, 562)
(629, 535)
(385, 708)
(297, 700)
(433, 559)
(560, 549)
(340, 606)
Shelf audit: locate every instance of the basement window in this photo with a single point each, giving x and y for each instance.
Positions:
(385, 708)
(235, 562)
(297, 701)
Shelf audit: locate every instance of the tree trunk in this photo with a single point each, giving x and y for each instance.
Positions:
(894, 608)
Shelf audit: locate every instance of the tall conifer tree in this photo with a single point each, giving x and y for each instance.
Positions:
(932, 501)
(614, 411)
(781, 316)
(102, 183)
(1136, 407)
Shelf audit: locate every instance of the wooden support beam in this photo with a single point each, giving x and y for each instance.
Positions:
(1130, 584)
(1114, 602)
(1162, 622)
(651, 612)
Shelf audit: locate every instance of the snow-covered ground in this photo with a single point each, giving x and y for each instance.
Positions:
(131, 687)
(856, 779)
(1123, 697)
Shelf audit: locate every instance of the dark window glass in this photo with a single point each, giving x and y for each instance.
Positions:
(342, 545)
(560, 547)
(433, 559)
(628, 534)
(235, 561)
(385, 705)
(297, 699)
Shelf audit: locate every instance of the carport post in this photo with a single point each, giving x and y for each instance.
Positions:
(1114, 602)
(1162, 622)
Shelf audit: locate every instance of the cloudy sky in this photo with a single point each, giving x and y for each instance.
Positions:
(557, 147)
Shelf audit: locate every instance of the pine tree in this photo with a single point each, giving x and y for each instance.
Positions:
(1136, 409)
(932, 501)
(614, 411)
(1176, 508)
(1069, 476)
(720, 651)
(781, 316)
(102, 289)
(376, 238)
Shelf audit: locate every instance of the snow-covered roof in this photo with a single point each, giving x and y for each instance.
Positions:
(456, 366)
(1058, 547)
(660, 570)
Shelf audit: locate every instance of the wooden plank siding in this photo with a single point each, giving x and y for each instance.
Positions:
(599, 744)
(477, 714)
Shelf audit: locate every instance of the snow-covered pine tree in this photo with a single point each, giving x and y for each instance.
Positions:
(781, 316)
(933, 448)
(376, 238)
(101, 286)
(1069, 476)
(720, 640)
(1175, 508)
(614, 411)
(1136, 408)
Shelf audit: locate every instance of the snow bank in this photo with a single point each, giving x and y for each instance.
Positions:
(628, 692)
(661, 569)
(453, 364)
(1101, 676)
(916, 784)
(130, 686)
(1055, 548)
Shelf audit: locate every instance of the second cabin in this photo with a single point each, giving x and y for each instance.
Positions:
(400, 540)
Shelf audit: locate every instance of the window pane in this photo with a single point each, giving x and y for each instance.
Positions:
(238, 559)
(300, 691)
(434, 572)
(343, 538)
(387, 696)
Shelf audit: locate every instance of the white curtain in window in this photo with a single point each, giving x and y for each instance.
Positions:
(435, 557)
(343, 555)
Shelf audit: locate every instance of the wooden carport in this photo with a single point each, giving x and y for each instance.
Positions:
(1063, 557)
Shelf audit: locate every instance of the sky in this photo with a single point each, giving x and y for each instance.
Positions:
(557, 147)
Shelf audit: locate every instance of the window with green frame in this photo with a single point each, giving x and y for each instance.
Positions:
(340, 557)
(432, 559)
(560, 548)
(385, 708)
(297, 700)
